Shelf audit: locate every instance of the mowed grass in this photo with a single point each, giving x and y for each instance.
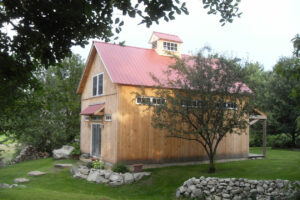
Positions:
(58, 183)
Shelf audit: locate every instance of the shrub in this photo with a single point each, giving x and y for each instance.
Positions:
(76, 152)
(98, 164)
(120, 168)
(280, 141)
(89, 165)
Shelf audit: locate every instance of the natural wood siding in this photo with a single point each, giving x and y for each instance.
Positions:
(139, 141)
(109, 97)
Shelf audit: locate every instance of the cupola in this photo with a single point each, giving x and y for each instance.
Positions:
(166, 44)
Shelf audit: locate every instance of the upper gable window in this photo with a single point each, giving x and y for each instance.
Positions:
(169, 46)
(98, 83)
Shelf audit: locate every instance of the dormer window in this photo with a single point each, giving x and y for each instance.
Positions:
(170, 46)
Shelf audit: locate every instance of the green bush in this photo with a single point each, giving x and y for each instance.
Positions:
(279, 141)
(120, 168)
(76, 151)
(255, 138)
(98, 164)
(89, 165)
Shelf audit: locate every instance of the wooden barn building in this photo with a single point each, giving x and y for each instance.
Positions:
(114, 124)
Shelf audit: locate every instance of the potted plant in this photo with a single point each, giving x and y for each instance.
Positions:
(137, 167)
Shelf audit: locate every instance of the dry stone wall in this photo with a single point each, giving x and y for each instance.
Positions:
(237, 189)
(106, 176)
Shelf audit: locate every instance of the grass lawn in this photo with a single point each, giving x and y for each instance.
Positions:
(58, 183)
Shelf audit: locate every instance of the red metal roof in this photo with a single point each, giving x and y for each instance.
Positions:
(132, 65)
(92, 109)
(168, 37)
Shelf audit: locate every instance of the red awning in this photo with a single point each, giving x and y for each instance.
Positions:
(92, 109)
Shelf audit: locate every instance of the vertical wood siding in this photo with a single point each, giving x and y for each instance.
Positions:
(108, 149)
(139, 141)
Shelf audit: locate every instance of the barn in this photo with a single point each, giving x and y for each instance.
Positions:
(114, 124)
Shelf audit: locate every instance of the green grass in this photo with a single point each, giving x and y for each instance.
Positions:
(58, 184)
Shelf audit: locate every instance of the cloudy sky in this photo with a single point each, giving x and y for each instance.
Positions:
(262, 34)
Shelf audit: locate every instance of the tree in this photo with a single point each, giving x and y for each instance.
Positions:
(48, 118)
(45, 31)
(291, 70)
(284, 107)
(209, 101)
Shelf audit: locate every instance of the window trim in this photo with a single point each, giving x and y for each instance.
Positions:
(108, 120)
(97, 85)
(151, 101)
(85, 118)
(171, 47)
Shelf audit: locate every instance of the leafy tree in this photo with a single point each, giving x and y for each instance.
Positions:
(210, 101)
(48, 118)
(291, 70)
(296, 44)
(258, 80)
(44, 31)
(284, 107)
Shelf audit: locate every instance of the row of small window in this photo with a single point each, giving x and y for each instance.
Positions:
(169, 46)
(197, 103)
(98, 118)
(150, 100)
(98, 82)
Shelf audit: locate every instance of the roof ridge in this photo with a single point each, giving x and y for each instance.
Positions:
(166, 33)
(123, 46)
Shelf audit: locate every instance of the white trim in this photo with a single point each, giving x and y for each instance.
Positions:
(91, 141)
(97, 84)
(103, 63)
(85, 118)
(151, 100)
(106, 116)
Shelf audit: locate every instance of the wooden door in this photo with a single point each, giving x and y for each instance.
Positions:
(96, 140)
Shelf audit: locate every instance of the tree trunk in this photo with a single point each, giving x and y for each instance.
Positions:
(212, 168)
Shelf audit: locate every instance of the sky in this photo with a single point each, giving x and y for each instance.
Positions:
(263, 33)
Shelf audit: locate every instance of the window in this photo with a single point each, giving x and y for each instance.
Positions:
(150, 100)
(86, 118)
(98, 82)
(154, 45)
(108, 117)
(97, 118)
(169, 46)
(228, 105)
(193, 103)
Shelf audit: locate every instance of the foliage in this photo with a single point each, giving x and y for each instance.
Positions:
(36, 34)
(98, 164)
(76, 151)
(284, 108)
(89, 165)
(161, 185)
(120, 168)
(296, 44)
(280, 141)
(47, 118)
(208, 103)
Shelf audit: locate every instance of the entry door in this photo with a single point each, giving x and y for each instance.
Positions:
(96, 140)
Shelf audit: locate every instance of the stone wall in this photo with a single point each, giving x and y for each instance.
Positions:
(237, 188)
(106, 176)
